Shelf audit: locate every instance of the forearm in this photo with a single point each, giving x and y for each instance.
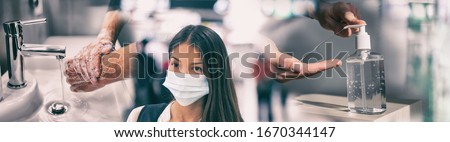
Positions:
(112, 24)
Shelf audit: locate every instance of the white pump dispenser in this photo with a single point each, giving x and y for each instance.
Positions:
(365, 77)
(362, 39)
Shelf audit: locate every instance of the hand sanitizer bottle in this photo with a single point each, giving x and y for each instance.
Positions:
(365, 78)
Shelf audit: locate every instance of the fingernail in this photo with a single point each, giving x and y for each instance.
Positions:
(338, 63)
(296, 67)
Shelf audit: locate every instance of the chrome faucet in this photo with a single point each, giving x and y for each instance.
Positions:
(16, 50)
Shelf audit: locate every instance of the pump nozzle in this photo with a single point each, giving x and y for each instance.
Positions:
(362, 29)
(362, 39)
(354, 26)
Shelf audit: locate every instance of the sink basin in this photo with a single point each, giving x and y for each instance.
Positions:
(20, 104)
(110, 103)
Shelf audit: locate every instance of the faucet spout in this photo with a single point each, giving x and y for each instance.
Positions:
(43, 50)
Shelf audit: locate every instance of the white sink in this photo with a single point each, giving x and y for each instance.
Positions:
(106, 104)
(20, 104)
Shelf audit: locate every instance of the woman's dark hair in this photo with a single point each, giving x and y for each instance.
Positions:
(220, 105)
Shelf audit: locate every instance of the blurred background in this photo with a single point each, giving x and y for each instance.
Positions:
(413, 36)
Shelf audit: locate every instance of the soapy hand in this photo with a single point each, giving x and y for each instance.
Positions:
(77, 81)
(336, 16)
(111, 71)
(288, 68)
(87, 63)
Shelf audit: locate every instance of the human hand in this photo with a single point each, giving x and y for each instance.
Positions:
(336, 16)
(108, 75)
(76, 81)
(286, 68)
(112, 70)
(87, 63)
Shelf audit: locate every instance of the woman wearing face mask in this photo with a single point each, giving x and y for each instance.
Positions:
(199, 78)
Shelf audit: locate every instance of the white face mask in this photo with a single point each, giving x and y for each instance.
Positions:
(186, 88)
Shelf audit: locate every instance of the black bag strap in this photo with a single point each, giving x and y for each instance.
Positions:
(151, 113)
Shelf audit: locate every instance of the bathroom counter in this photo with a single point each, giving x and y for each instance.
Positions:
(319, 107)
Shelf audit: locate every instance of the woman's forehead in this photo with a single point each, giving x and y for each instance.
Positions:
(186, 51)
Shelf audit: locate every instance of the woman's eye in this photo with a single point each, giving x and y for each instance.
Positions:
(198, 69)
(175, 65)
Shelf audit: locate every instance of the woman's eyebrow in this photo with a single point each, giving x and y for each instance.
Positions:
(175, 58)
(197, 63)
(191, 63)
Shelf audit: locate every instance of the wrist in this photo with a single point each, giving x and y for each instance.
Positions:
(106, 34)
(321, 8)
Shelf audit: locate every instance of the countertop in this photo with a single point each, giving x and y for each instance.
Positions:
(320, 107)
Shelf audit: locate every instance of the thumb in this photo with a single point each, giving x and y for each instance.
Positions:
(313, 68)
